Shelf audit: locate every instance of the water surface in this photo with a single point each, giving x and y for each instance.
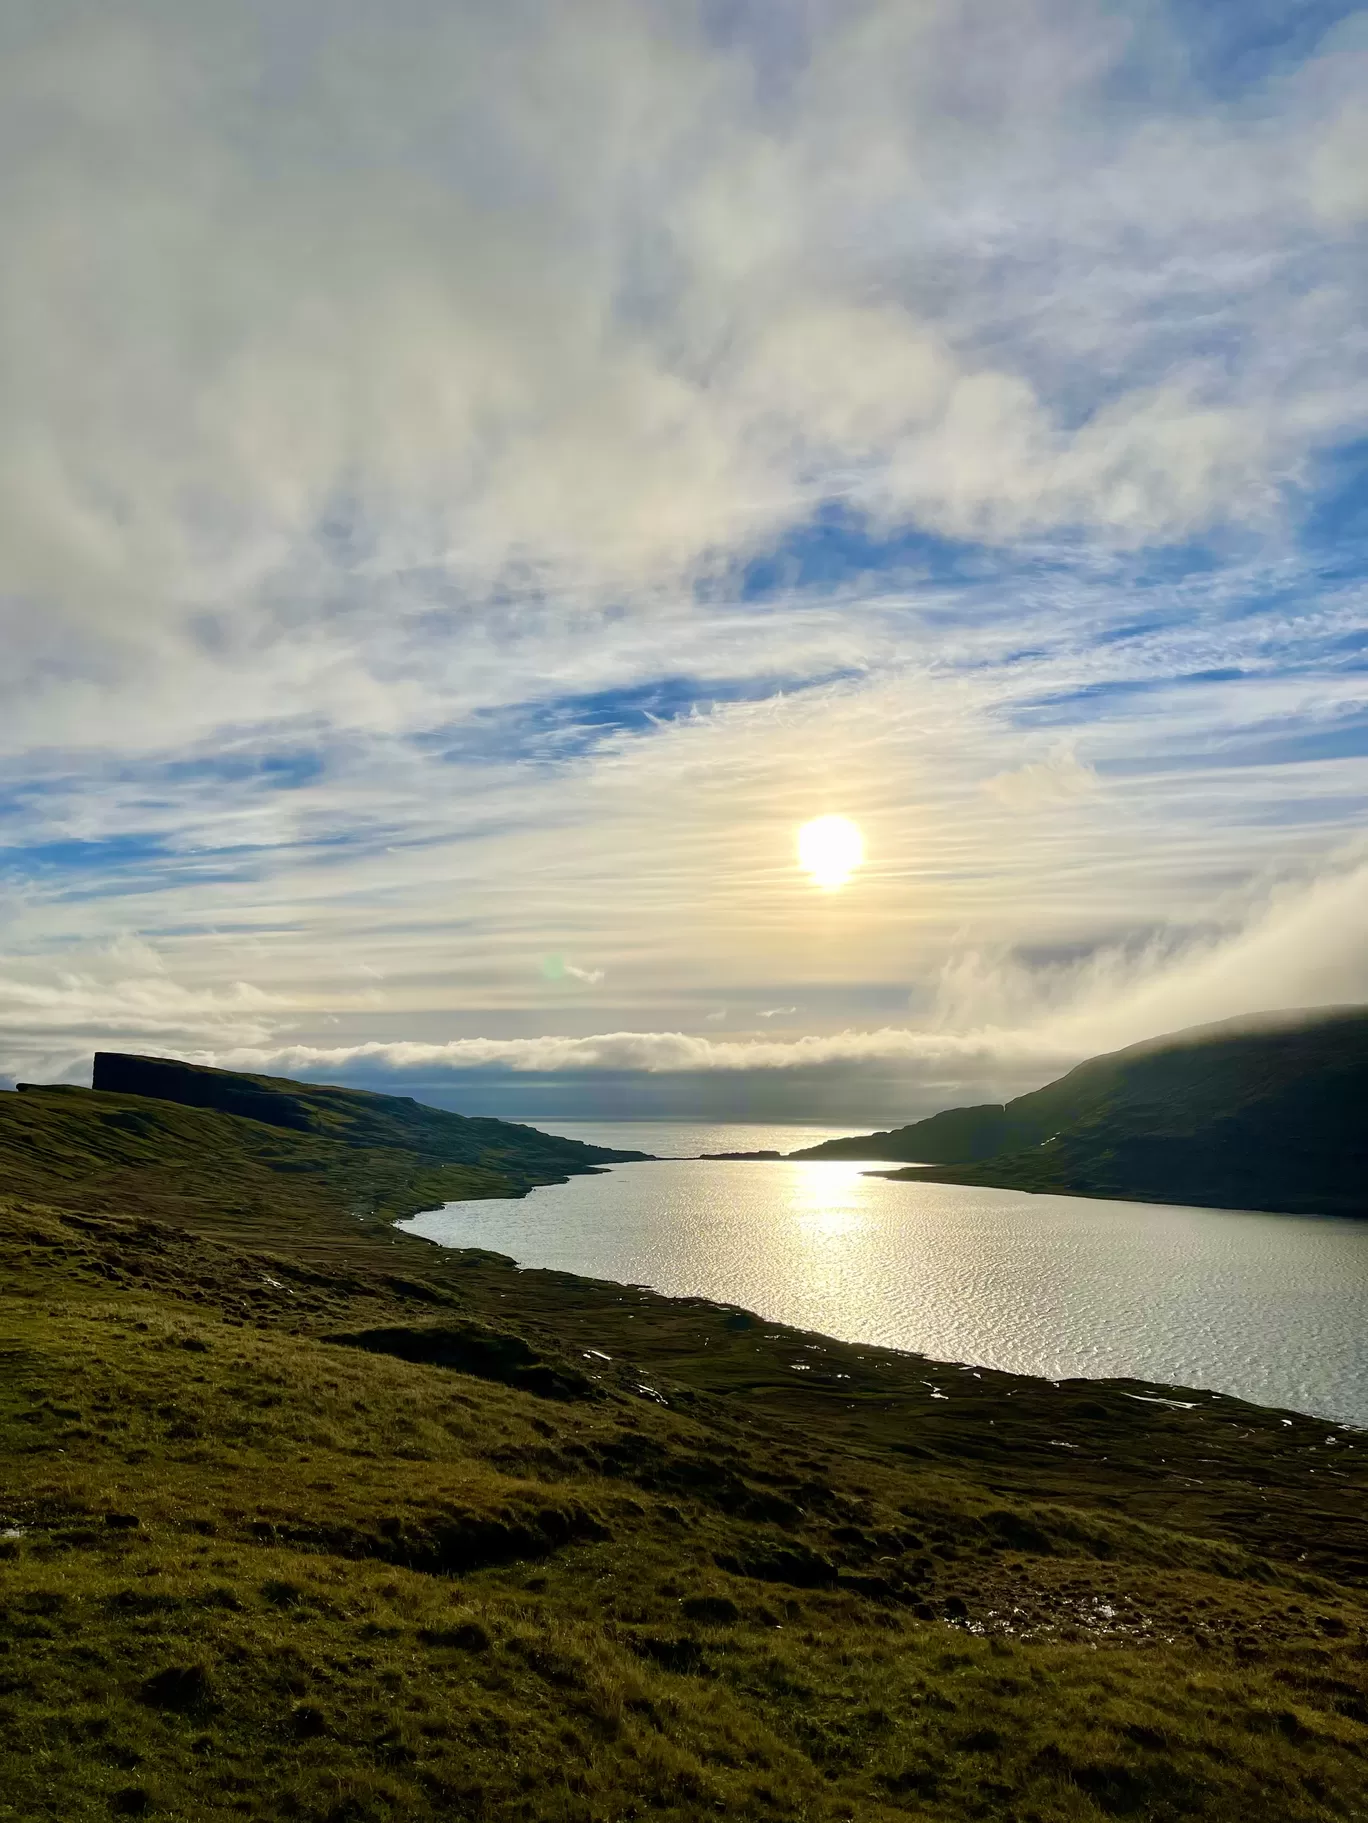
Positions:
(1269, 1307)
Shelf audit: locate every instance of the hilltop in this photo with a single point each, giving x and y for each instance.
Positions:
(302, 1517)
(1263, 1113)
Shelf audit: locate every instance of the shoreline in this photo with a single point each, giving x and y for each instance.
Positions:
(1323, 1386)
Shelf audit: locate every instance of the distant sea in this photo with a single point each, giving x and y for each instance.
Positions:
(1271, 1308)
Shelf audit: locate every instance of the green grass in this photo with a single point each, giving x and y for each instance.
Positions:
(309, 1519)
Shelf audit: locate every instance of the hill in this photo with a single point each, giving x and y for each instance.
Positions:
(174, 1139)
(1269, 1113)
(358, 1117)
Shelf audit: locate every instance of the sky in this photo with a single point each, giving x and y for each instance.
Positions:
(479, 478)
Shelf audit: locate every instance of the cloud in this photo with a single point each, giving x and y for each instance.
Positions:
(1298, 945)
(1307, 946)
(1060, 779)
(1304, 947)
(654, 1053)
(476, 478)
(671, 849)
(51, 1021)
(506, 300)
(1000, 1024)
(556, 968)
(392, 341)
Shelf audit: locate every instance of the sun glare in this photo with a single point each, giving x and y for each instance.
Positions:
(830, 849)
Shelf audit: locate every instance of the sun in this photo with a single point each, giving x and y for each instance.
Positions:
(830, 849)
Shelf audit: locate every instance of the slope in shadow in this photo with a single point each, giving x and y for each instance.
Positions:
(1264, 1113)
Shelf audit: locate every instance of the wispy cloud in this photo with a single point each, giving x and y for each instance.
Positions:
(589, 976)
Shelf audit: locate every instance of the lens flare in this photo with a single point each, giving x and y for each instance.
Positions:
(829, 850)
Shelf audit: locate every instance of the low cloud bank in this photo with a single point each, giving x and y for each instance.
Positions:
(652, 1052)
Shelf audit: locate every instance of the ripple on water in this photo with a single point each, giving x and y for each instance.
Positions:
(1268, 1307)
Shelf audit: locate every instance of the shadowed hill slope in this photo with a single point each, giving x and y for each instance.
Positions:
(1266, 1114)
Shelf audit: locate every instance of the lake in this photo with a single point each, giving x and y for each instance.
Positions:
(1269, 1307)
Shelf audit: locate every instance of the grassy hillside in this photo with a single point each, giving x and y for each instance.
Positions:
(304, 1518)
(356, 1117)
(1270, 1114)
(334, 1150)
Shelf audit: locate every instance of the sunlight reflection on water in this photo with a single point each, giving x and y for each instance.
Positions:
(1268, 1307)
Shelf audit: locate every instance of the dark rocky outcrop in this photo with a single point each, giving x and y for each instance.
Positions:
(162, 1079)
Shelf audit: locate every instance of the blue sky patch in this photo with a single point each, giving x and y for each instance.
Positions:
(563, 728)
